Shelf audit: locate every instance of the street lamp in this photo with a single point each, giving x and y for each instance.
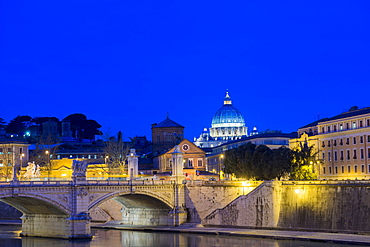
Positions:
(48, 164)
(220, 166)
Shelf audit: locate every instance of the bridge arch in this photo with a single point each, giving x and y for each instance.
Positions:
(32, 203)
(140, 197)
(139, 208)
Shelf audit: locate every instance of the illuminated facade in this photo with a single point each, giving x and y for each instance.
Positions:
(342, 143)
(194, 159)
(227, 124)
(12, 153)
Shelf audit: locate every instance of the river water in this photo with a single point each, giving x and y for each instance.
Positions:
(9, 237)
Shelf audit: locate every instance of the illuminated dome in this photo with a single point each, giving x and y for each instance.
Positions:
(228, 122)
(228, 115)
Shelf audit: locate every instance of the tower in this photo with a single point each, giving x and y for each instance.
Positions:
(165, 135)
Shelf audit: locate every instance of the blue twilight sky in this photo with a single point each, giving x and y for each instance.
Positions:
(126, 63)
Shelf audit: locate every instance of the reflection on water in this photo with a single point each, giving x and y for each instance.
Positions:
(9, 236)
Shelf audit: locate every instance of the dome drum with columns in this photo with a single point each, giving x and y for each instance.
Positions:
(227, 124)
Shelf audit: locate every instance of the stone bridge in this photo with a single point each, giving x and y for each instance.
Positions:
(61, 208)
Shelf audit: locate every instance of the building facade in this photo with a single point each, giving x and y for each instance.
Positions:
(194, 159)
(342, 144)
(13, 154)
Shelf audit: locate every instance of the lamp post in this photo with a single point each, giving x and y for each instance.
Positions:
(48, 163)
(220, 166)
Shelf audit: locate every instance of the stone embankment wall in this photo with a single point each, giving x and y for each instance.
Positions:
(317, 205)
(202, 198)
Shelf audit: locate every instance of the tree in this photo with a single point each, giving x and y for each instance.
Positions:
(116, 151)
(44, 152)
(238, 161)
(19, 125)
(261, 160)
(304, 162)
(2, 124)
(280, 163)
(82, 127)
(258, 162)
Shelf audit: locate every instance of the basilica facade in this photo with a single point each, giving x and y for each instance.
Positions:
(227, 125)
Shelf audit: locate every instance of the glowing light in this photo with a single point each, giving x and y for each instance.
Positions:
(244, 183)
(298, 191)
(64, 175)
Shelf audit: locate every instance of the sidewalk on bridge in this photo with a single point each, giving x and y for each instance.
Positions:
(342, 238)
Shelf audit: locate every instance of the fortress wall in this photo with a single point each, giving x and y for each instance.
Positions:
(320, 206)
(202, 199)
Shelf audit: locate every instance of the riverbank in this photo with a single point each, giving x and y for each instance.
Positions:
(340, 238)
(327, 237)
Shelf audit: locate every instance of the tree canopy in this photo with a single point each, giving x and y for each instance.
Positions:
(258, 162)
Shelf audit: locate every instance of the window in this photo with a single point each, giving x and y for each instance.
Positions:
(200, 162)
(1, 151)
(190, 163)
(329, 170)
(323, 155)
(329, 156)
(9, 150)
(21, 150)
(353, 125)
(342, 169)
(362, 153)
(347, 126)
(1, 163)
(360, 123)
(354, 154)
(347, 142)
(341, 142)
(354, 140)
(368, 138)
(355, 169)
(361, 139)
(368, 122)
(335, 143)
(368, 153)
(341, 127)
(341, 155)
(323, 130)
(328, 143)
(328, 128)
(334, 128)
(336, 170)
(323, 170)
(362, 168)
(335, 155)
(349, 169)
(323, 144)
(348, 155)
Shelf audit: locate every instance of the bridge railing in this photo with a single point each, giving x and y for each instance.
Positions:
(88, 182)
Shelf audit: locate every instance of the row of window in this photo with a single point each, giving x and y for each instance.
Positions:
(188, 163)
(345, 126)
(342, 169)
(345, 155)
(346, 141)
